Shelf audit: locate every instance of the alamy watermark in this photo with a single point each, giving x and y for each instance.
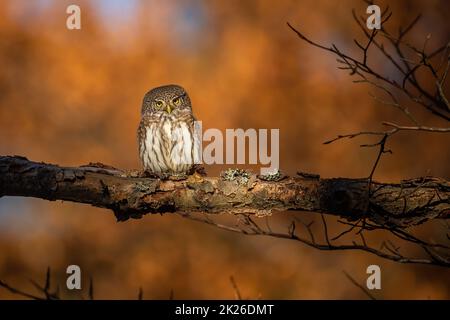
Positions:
(73, 21)
(374, 279)
(230, 148)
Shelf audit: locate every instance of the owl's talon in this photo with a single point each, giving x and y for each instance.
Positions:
(177, 177)
(199, 169)
(152, 175)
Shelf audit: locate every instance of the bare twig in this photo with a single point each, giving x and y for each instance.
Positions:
(418, 128)
(391, 254)
(363, 289)
(237, 293)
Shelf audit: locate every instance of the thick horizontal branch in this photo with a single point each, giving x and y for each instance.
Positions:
(402, 204)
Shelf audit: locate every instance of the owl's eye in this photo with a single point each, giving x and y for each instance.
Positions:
(159, 104)
(176, 101)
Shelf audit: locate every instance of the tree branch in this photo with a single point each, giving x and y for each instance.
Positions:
(404, 204)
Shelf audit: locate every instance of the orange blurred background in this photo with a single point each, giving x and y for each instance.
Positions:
(73, 97)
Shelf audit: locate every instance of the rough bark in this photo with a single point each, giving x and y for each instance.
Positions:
(403, 204)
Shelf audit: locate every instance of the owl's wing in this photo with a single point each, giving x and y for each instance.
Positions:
(141, 136)
(147, 120)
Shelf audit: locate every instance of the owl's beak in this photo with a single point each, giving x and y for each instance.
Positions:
(169, 109)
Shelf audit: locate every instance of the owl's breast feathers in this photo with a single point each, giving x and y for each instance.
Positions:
(167, 143)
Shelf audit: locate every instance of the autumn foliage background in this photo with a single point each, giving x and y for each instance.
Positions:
(73, 97)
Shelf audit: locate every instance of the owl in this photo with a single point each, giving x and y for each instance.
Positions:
(166, 133)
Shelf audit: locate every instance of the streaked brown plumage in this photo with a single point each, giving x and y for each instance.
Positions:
(166, 132)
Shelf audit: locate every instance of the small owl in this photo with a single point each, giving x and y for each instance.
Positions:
(166, 135)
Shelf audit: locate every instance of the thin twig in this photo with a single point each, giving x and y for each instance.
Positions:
(363, 289)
